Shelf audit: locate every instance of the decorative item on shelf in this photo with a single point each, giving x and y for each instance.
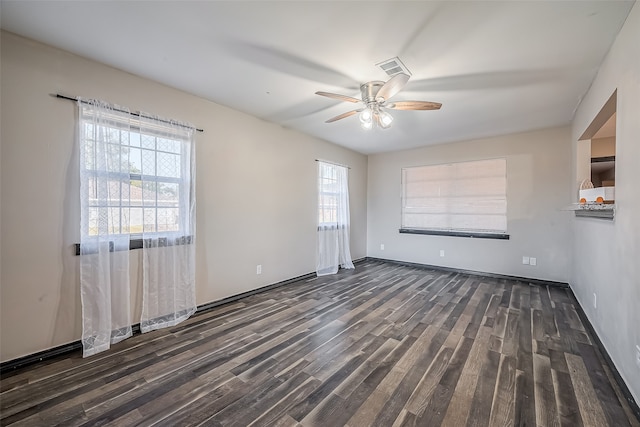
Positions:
(593, 202)
(592, 205)
(598, 196)
(586, 184)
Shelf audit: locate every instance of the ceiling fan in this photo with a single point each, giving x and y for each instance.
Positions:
(375, 95)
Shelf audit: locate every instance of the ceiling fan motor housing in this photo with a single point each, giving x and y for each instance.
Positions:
(369, 91)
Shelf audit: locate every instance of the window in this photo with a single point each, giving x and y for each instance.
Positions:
(328, 194)
(136, 192)
(463, 199)
(333, 249)
(136, 178)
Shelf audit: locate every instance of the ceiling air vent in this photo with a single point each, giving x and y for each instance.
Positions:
(393, 66)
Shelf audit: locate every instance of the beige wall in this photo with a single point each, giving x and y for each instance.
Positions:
(256, 192)
(603, 147)
(538, 187)
(606, 253)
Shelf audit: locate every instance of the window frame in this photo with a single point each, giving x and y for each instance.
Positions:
(451, 231)
(135, 125)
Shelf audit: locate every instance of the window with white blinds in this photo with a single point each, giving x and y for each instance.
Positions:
(468, 197)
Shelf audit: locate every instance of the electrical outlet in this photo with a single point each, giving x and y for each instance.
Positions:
(441, 252)
(382, 246)
(595, 300)
(638, 355)
(533, 261)
(259, 269)
(525, 260)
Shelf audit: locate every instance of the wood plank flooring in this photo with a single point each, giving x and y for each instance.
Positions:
(384, 345)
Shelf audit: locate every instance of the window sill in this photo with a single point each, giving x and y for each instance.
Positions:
(136, 243)
(455, 234)
(596, 213)
(329, 227)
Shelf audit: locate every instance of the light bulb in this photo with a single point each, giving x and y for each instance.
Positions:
(385, 119)
(367, 125)
(365, 116)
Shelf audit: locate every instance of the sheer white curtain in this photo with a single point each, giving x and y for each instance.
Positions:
(169, 210)
(104, 247)
(333, 219)
(137, 180)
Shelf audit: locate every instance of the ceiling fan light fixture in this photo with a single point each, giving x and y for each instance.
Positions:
(366, 115)
(385, 119)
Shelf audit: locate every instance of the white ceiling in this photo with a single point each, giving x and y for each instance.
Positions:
(497, 67)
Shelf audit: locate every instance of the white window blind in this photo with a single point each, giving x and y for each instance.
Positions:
(458, 197)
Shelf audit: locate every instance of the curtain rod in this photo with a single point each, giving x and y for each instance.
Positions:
(122, 111)
(333, 163)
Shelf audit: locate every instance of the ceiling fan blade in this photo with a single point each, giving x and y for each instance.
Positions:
(392, 86)
(338, 97)
(414, 105)
(343, 115)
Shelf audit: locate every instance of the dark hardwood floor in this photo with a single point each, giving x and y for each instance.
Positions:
(384, 345)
